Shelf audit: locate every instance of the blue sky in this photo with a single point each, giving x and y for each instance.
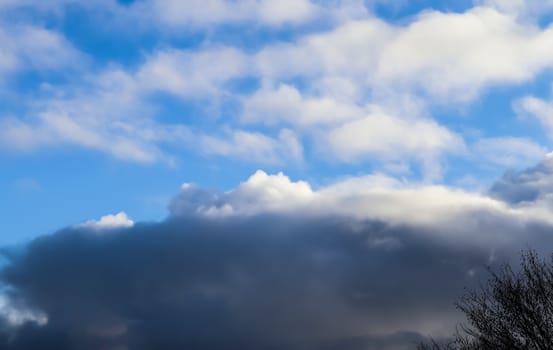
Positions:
(110, 106)
(291, 174)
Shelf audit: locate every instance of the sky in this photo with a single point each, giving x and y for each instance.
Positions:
(294, 174)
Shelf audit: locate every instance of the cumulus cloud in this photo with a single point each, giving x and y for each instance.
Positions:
(108, 222)
(324, 85)
(380, 135)
(285, 104)
(344, 90)
(363, 62)
(347, 132)
(278, 263)
(260, 193)
(374, 197)
(451, 55)
(272, 263)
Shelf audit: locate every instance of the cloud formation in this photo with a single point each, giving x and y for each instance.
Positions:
(26, 47)
(344, 73)
(278, 282)
(529, 186)
(108, 222)
(365, 263)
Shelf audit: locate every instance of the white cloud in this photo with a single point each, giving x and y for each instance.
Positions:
(451, 55)
(324, 86)
(28, 48)
(192, 73)
(253, 146)
(508, 6)
(111, 111)
(372, 197)
(380, 135)
(286, 104)
(109, 222)
(509, 151)
(352, 50)
(106, 112)
(17, 315)
(16, 134)
(260, 193)
(446, 55)
(540, 109)
(181, 14)
(176, 16)
(437, 58)
(522, 8)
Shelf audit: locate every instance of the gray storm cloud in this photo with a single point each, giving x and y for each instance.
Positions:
(531, 185)
(367, 263)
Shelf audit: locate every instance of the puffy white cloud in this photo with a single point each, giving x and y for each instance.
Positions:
(372, 197)
(455, 55)
(447, 55)
(323, 85)
(108, 222)
(260, 193)
(347, 132)
(436, 58)
(380, 135)
(286, 104)
(352, 50)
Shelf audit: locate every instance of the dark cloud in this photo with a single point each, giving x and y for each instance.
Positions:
(525, 186)
(263, 282)
(293, 279)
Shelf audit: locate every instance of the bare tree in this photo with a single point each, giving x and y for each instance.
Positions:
(513, 310)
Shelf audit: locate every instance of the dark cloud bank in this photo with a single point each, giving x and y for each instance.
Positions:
(526, 186)
(257, 282)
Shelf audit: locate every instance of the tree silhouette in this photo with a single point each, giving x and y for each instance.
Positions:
(513, 310)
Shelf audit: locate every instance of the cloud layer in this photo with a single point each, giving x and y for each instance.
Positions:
(365, 263)
(315, 73)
